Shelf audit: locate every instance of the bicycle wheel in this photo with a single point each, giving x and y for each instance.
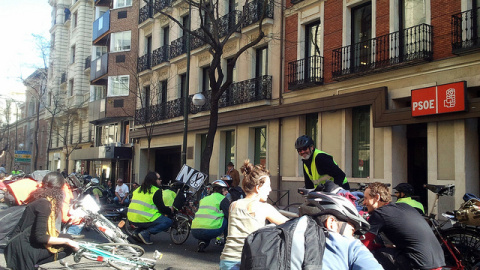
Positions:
(132, 263)
(180, 230)
(122, 249)
(468, 244)
(128, 228)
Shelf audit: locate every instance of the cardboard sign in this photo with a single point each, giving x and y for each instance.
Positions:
(191, 177)
(439, 99)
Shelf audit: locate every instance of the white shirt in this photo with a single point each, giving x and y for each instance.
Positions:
(121, 190)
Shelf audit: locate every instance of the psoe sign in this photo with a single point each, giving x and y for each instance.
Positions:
(439, 99)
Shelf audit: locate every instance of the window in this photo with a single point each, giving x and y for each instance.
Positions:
(118, 86)
(312, 66)
(234, 72)
(261, 146)
(146, 97)
(122, 3)
(72, 54)
(311, 121)
(166, 36)
(414, 13)
(361, 141)
(120, 41)
(71, 87)
(147, 49)
(98, 92)
(229, 147)
(361, 34)
(74, 19)
(205, 79)
(162, 92)
(183, 85)
(185, 21)
(99, 51)
(261, 63)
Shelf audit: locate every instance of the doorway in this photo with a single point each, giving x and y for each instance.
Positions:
(417, 160)
(168, 162)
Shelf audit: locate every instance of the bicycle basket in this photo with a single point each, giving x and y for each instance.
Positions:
(469, 212)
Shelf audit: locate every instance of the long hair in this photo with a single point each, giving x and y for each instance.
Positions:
(252, 176)
(52, 186)
(150, 180)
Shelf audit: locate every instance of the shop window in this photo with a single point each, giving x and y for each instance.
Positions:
(361, 142)
(260, 146)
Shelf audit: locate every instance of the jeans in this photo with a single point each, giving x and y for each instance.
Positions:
(117, 201)
(160, 224)
(206, 235)
(75, 229)
(229, 265)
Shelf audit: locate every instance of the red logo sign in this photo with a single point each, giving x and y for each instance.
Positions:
(439, 99)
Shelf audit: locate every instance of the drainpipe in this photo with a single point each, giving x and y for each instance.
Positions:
(280, 96)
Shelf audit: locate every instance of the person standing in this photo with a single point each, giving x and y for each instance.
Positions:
(147, 210)
(121, 193)
(404, 192)
(414, 243)
(212, 216)
(35, 239)
(318, 166)
(233, 173)
(249, 214)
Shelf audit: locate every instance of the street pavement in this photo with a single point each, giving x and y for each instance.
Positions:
(184, 257)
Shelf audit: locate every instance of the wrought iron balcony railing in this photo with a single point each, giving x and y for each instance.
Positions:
(161, 4)
(466, 31)
(409, 46)
(226, 24)
(88, 62)
(238, 93)
(305, 73)
(145, 13)
(253, 12)
(178, 47)
(144, 62)
(161, 55)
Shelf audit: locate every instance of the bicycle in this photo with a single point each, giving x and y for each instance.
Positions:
(460, 243)
(116, 255)
(182, 221)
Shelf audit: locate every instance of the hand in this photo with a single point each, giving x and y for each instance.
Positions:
(73, 244)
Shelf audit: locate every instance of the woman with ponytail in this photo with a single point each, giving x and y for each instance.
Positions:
(249, 214)
(35, 240)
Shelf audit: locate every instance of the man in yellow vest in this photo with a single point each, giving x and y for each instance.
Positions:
(147, 209)
(211, 218)
(404, 192)
(318, 166)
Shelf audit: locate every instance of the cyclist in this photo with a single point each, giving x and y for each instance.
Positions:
(147, 210)
(96, 190)
(404, 195)
(341, 219)
(318, 166)
(414, 244)
(211, 218)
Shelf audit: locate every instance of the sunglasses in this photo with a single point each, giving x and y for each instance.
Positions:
(302, 149)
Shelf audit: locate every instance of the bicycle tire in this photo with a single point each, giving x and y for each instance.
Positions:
(132, 263)
(123, 249)
(467, 242)
(180, 230)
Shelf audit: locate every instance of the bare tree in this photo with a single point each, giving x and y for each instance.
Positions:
(216, 32)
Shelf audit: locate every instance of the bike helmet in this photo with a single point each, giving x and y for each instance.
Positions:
(94, 181)
(405, 188)
(320, 203)
(219, 183)
(303, 141)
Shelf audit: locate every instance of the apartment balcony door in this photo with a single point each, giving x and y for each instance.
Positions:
(361, 36)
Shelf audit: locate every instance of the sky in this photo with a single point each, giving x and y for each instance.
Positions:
(19, 58)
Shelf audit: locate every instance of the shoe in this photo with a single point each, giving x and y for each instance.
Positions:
(145, 239)
(201, 246)
(77, 236)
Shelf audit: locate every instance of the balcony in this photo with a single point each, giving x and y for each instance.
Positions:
(161, 55)
(162, 4)
(410, 46)
(99, 67)
(178, 47)
(96, 109)
(144, 62)
(466, 32)
(101, 25)
(88, 62)
(145, 13)
(227, 23)
(239, 93)
(253, 12)
(305, 73)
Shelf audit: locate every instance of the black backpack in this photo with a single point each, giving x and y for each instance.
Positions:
(8, 220)
(296, 244)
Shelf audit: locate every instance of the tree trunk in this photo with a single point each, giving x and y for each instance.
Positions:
(35, 136)
(212, 129)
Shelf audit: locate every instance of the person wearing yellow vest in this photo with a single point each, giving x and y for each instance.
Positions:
(404, 192)
(211, 219)
(147, 210)
(318, 166)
